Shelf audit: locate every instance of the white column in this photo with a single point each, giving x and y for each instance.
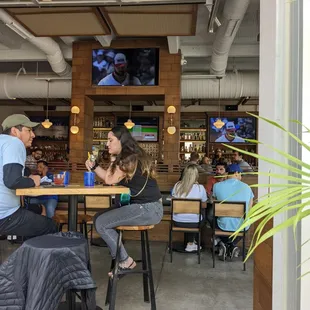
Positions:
(280, 72)
(305, 228)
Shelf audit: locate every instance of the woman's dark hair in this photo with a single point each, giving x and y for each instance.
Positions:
(131, 155)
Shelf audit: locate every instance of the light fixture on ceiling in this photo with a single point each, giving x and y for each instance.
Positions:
(47, 124)
(129, 124)
(171, 129)
(219, 123)
(75, 110)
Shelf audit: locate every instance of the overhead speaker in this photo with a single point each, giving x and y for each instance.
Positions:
(137, 108)
(231, 108)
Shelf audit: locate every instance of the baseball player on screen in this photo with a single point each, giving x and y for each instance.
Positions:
(120, 76)
(230, 134)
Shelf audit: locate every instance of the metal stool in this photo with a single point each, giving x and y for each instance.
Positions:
(148, 285)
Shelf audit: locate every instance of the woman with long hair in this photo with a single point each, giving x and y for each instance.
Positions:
(189, 188)
(133, 168)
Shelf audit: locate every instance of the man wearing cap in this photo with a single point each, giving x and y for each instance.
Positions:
(100, 63)
(231, 189)
(230, 134)
(120, 76)
(109, 57)
(17, 135)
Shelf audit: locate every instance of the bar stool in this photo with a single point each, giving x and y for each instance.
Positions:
(148, 284)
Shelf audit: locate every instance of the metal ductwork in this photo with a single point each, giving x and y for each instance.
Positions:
(233, 14)
(30, 86)
(233, 85)
(47, 45)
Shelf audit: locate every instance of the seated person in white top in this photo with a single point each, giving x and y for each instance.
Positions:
(189, 188)
(229, 134)
(120, 76)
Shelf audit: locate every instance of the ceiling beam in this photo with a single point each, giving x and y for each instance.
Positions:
(173, 44)
(243, 100)
(26, 101)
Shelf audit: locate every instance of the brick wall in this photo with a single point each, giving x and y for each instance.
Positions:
(82, 91)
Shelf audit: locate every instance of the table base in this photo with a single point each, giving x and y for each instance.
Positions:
(78, 306)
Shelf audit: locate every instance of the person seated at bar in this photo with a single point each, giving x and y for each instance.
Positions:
(17, 135)
(131, 167)
(48, 201)
(218, 157)
(238, 159)
(193, 160)
(232, 189)
(32, 159)
(220, 175)
(189, 188)
(206, 164)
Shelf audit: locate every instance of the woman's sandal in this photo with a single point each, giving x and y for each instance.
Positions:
(130, 267)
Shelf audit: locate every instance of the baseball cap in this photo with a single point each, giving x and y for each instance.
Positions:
(120, 59)
(100, 52)
(233, 168)
(110, 54)
(230, 126)
(18, 119)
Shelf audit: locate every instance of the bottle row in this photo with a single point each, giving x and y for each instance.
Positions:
(199, 136)
(200, 148)
(103, 122)
(98, 134)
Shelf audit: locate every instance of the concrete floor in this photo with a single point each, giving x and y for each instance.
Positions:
(182, 285)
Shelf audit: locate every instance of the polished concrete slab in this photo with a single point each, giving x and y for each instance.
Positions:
(181, 285)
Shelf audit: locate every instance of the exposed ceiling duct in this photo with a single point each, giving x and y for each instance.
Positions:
(47, 45)
(233, 14)
(234, 85)
(29, 86)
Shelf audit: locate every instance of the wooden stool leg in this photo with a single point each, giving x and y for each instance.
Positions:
(144, 267)
(150, 273)
(115, 273)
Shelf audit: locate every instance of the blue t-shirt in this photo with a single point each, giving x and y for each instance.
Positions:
(232, 190)
(12, 151)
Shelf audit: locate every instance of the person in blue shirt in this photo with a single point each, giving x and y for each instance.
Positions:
(49, 202)
(231, 189)
(18, 135)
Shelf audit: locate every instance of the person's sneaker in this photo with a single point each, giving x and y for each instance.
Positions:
(234, 252)
(191, 247)
(222, 251)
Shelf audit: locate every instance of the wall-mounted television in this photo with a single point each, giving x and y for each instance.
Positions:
(145, 129)
(125, 67)
(235, 130)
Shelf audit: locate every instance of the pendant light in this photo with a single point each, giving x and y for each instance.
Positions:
(47, 124)
(219, 123)
(129, 124)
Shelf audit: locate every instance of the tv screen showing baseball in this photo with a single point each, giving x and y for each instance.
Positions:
(235, 130)
(125, 67)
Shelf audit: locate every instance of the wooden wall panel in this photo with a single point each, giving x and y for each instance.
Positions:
(263, 264)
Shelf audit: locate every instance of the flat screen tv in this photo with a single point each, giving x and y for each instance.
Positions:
(235, 130)
(125, 67)
(145, 129)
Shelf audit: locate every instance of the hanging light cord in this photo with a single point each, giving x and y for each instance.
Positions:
(129, 109)
(47, 98)
(219, 98)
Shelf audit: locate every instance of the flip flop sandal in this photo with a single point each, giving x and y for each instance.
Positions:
(130, 267)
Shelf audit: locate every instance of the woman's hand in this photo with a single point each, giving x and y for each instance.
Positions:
(89, 164)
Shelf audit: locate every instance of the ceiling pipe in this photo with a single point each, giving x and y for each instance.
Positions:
(233, 85)
(48, 46)
(233, 14)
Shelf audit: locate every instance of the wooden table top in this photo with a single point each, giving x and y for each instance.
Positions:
(73, 189)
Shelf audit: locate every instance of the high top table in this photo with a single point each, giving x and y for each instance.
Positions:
(73, 191)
